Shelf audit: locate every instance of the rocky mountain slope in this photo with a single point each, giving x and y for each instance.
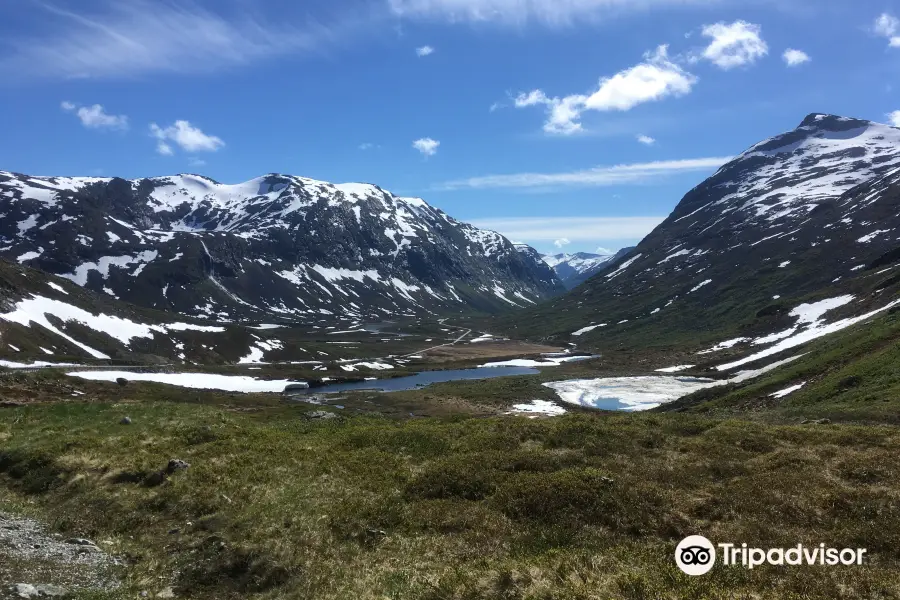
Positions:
(277, 245)
(574, 269)
(48, 320)
(807, 215)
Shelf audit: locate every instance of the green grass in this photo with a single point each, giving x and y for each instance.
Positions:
(465, 504)
(585, 506)
(851, 375)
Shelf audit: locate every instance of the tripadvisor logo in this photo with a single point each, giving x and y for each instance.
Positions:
(696, 555)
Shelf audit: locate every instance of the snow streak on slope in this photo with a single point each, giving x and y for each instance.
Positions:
(274, 245)
(791, 173)
(807, 213)
(37, 309)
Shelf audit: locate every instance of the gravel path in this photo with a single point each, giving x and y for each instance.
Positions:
(37, 564)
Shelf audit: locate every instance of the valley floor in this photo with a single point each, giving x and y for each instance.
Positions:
(438, 493)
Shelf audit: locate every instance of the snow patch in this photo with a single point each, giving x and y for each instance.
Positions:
(788, 391)
(536, 408)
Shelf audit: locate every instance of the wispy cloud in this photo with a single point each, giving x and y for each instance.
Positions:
(572, 229)
(887, 26)
(638, 173)
(553, 13)
(794, 58)
(646, 140)
(186, 136)
(734, 45)
(367, 146)
(95, 117)
(128, 39)
(655, 78)
(562, 242)
(426, 146)
(894, 118)
(424, 51)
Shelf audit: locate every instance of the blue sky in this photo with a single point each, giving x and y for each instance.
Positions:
(566, 124)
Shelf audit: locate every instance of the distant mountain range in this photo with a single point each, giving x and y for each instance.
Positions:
(274, 246)
(811, 214)
(574, 269)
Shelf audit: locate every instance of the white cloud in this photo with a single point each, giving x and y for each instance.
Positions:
(734, 45)
(573, 229)
(562, 242)
(646, 140)
(655, 78)
(638, 173)
(496, 106)
(124, 39)
(424, 51)
(602, 250)
(553, 13)
(887, 25)
(367, 146)
(794, 57)
(95, 117)
(186, 136)
(426, 146)
(164, 149)
(196, 162)
(894, 118)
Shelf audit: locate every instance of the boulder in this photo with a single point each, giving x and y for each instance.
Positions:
(321, 414)
(176, 464)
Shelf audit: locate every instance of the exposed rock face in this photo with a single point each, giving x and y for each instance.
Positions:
(277, 245)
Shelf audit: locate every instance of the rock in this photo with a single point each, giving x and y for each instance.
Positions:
(321, 414)
(176, 464)
(159, 477)
(304, 398)
(80, 542)
(125, 421)
(51, 591)
(10, 404)
(122, 381)
(24, 590)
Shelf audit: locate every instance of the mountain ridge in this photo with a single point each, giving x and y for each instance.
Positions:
(805, 214)
(576, 268)
(275, 245)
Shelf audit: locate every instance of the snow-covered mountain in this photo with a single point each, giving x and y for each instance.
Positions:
(573, 269)
(814, 212)
(277, 245)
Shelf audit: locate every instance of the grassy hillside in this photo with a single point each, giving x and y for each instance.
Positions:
(849, 375)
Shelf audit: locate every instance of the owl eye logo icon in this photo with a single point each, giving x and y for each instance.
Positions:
(695, 555)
